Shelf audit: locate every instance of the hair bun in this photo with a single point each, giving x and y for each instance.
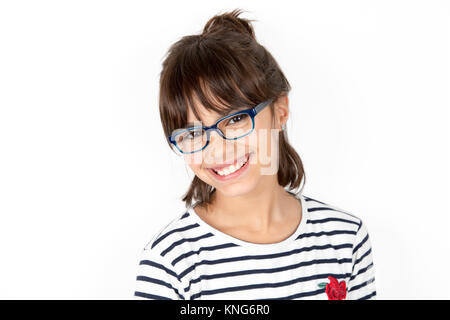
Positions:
(229, 21)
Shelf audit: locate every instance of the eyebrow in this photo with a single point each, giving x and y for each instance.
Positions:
(222, 114)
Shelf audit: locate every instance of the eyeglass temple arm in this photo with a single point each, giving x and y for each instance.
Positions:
(261, 106)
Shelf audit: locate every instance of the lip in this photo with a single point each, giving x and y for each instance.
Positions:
(235, 174)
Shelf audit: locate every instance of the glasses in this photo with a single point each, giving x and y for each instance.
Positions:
(231, 127)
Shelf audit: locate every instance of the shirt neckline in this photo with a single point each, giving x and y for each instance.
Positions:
(253, 245)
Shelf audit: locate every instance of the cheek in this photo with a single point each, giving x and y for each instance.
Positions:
(195, 168)
(194, 160)
(267, 145)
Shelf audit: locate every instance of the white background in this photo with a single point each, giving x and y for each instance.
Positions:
(86, 178)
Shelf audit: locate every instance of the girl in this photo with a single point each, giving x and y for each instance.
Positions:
(248, 235)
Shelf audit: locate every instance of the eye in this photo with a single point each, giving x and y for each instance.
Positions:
(236, 118)
(193, 134)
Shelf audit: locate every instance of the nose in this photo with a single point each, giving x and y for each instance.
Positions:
(216, 142)
(217, 148)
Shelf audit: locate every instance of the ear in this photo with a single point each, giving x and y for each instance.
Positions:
(281, 111)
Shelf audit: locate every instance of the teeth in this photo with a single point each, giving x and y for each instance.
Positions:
(232, 168)
(228, 170)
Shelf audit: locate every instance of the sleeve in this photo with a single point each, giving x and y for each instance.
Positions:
(361, 285)
(156, 278)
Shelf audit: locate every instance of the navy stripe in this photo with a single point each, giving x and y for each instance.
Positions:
(212, 248)
(272, 270)
(266, 285)
(363, 256)
(176, 243)
(325, 233)
(159, 266)
(368, 296)
(300, 295)
(172, 231)
(265, 256)
(228, 245)
(150, 296)
(311, 199)
(160, 282)
(320, 209)
(360, 225)
(184, 215)
(360, 244)
(327, 207)
(331, 219)
(361, 271)
(362, 285)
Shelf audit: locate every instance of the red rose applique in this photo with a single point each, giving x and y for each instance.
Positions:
(335, 290)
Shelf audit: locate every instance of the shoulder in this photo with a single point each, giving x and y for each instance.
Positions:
(171, 228)
(178, 236)
(336, 225)
(325, 215)
(176, 244)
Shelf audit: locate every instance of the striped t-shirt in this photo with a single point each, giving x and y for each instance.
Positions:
(328, 257)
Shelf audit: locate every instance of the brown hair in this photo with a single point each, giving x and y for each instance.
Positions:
(223, 67)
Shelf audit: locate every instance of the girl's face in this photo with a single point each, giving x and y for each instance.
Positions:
(235, 167)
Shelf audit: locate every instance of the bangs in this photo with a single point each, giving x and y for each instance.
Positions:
(208, 73)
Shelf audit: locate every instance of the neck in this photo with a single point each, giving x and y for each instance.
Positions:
(257, 210)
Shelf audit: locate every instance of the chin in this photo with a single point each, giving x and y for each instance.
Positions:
(239, 188)
(236, 190)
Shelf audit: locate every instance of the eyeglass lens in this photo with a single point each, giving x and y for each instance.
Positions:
(232, 127)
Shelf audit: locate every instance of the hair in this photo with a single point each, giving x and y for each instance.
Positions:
(223, 67)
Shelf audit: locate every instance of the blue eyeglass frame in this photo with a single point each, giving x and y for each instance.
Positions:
(252, 112)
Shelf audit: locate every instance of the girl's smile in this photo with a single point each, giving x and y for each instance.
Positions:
(231, 171)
